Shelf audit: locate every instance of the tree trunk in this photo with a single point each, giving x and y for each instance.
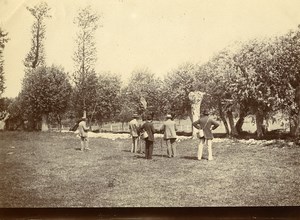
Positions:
(292, 124)
(45, 126)
(297, 100)
(239, 124)
(59, 122)
(31, 125)
(222, 116)
(195, 99)
(194, 117)
(259, 124)
(233, 132)
(297, 127)
(3, 121)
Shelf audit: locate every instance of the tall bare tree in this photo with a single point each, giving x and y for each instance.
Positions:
(85, 55)
(3, 41)
(36, 55)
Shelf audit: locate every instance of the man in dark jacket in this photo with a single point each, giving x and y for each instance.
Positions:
(149, 128)
(206, 124)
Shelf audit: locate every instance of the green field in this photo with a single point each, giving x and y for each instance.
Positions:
(47, 170)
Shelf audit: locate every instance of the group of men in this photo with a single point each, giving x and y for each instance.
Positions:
(137, 132)
(168, 128)
(146, 131)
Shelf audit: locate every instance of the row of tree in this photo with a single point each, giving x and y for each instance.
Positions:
(259, 77)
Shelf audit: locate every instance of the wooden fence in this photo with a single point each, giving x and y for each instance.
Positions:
(119, 127)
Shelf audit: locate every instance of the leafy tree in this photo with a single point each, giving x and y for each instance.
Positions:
(3, 40)
(85, 92)
(85, 55)
(143, 84)
(45, 90)
(125, 111)
(255, 83)
(107, 100)
(4, 104)
(36, 55)
(220, 73)
(286, 67)
(17, 116)
(178, 84)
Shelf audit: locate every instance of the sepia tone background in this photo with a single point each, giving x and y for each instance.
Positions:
(159, 35)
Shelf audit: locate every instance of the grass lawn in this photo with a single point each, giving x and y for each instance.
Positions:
(47, 170)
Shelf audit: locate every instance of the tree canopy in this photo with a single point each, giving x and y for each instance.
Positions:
(45, 90)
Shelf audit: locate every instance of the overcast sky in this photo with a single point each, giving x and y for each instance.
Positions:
(158, 34)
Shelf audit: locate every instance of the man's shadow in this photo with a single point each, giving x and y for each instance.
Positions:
(189, 157)
(139, 156)
(159, 155)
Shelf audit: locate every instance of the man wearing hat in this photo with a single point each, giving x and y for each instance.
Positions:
(149, 140)
(206, 124)
(83, 133)
(169, 129)
(134, 132)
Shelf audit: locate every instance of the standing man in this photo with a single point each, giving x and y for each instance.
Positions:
(169, 129)
(83, 133)
(206, 124)
(149, 128)
(134, 132)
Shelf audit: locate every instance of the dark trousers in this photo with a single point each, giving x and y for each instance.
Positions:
(149, 149)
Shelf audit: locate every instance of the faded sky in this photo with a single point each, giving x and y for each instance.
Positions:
(158, 34)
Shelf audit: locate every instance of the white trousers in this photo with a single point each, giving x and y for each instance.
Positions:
(208, 143)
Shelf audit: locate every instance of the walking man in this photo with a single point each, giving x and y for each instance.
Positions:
(206, 124)
(134, 132)
(83, 133)
(169, 129)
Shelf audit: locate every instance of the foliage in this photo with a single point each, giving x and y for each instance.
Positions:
(143, 84)
(177, 85)
(4, 103)
(125, 112)
(45, 90)
(286, 64)
(36, 55)
(108, 99)
(220, 73)
(84, 94)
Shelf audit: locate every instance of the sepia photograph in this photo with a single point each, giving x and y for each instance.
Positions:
(150, 104)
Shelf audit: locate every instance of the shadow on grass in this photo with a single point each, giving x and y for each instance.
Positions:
(126, 151)
(139, 157)
(189, 158)
(159, 155)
